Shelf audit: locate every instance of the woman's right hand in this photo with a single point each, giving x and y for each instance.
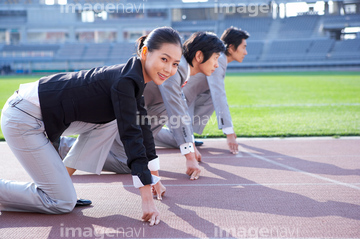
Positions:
(150, 212)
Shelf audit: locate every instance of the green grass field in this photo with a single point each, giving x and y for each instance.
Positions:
(277, 104)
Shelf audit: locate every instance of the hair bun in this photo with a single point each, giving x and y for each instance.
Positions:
(140, 42)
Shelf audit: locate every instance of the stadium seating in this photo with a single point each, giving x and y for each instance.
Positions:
(342, 21)
(287, 50)
(120, 53)
(96, 52)
(319, 49)
(257, 27)
(70, 52)
(346, 50)
(193, 26)
(254, 49)
(282, 42)
(297, 27)
(30, 52)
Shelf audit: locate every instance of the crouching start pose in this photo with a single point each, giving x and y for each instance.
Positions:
(166, 104)
(206, 93)
(97, 104)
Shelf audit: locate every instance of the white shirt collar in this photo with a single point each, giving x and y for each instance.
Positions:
(188, 73)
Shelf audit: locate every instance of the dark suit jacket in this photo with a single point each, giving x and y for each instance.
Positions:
(101, 95)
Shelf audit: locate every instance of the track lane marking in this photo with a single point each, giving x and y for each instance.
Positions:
(301, 171)
(227, 184)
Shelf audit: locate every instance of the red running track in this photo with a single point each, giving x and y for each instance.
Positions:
(275, 188)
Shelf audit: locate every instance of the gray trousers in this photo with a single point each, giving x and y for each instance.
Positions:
(116, 160)
(91, 148)
(200, 111)
(52, 191)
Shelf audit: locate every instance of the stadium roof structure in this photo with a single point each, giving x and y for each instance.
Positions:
(177, 3)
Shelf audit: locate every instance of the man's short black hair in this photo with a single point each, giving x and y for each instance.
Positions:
(233, 36)
(206, 42)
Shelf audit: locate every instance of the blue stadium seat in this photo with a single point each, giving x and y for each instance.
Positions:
(288, 50)
(71, 51)
(346, 50)
(257, 27)
(96, 52)
(297, 27)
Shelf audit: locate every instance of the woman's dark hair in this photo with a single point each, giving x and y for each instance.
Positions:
(233, 36)
(206, 42)
(157, 37)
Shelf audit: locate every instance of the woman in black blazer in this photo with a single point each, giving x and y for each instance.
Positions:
(92, 104)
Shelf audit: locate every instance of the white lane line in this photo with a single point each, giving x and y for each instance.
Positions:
(229, 184)
(303, 172)
(294, 105)
(230, 156)
(238, 155)
(308, 138)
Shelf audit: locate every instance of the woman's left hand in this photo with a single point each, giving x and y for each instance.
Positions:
(159, 190)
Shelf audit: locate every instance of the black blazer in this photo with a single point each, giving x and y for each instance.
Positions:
(101, 95)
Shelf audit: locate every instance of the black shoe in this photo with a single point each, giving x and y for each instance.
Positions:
(198, 143)
(83, 202)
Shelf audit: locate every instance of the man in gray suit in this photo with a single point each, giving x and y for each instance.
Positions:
(166, 104)
(203, 93)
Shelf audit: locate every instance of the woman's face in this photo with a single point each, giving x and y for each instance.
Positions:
(162, 63)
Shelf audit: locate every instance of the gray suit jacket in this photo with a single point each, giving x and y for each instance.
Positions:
(214, 85)
(166, 104)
